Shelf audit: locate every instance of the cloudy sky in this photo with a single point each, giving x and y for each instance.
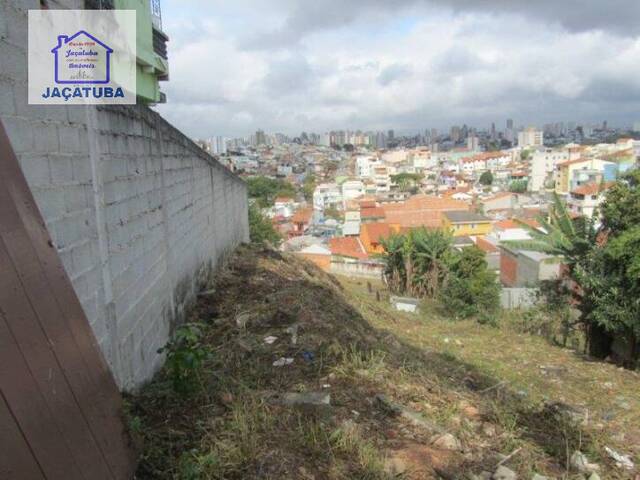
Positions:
(314, 65)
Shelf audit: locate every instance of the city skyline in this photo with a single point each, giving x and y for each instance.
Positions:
(286, 66)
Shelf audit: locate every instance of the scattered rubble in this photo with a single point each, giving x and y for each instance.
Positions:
(537, 476)
(580, 462)
(282, 361)
(504, 473)
(306, 398)
(446, 441)
(622, 461)
(415, 418)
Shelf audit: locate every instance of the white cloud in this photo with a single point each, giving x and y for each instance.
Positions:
(406, 69)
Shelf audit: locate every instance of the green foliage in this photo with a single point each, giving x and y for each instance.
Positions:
(416, 263)
(308, 187)
(332, 212)
(608, 276)
(561, 236)
(186, 355)
(265, 190)
(621, 209)
(472, 290)
(551, 316)
(614, 277)
(486, 178)
(260, 227)
(406, 181)
(423, 264)
(518, 186)
(525, 155)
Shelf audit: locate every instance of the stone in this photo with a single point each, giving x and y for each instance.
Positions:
(504, 473)
(306, 398)
(282, 361)
(580, 462)
(489, 429)
(469, 410)
(242, 319)
(446, 441)
(594, 476)
(622, 461)
(293, 330)
(395, 466)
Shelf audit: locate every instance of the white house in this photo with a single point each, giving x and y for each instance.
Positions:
(327, 195)
(352, 189)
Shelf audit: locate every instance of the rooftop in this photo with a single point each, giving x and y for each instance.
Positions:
(347, 247)
(466, 217)
(421, 210)
(591, 188)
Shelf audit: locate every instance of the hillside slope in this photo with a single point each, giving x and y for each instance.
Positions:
(312, 377)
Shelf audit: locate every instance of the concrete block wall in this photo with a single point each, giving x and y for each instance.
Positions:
(139, 214)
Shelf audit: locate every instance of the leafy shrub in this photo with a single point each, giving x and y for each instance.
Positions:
(186, 355)
(472, 289)
(260, 227)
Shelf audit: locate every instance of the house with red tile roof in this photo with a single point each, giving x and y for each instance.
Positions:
(585, 199)
(347, 247)
(421, 211)
(371, 235)
(300, 221)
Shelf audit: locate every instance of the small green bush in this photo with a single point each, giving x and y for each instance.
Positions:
(261, 229)
(186, 355)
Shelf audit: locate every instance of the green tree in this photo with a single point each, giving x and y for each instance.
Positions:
(406, 181)
(614, 280)
(265, 190)
(486, 178)
(308, 187)
(261, 229)
(472, 289)
(518, 186)
(575, 241)
(525, 155)
(416, 263)
(332, 212)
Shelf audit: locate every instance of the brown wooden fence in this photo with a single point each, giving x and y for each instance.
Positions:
(60, 410)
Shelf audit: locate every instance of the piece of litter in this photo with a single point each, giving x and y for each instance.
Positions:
(623, 461)
(355, 412)
(308, 356)
(293, 330)
(326, 385)
(270, 339)
(282, 361)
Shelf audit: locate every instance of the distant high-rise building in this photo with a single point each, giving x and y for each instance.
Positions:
(261, 139)
(218, 145)
(509, 124)
(455, 134)
(390, 135)
(494, 134)
(473, 143)
(530, 137)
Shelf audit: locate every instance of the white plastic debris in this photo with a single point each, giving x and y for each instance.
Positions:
(270, 339)
(622, 461)
(282, 361)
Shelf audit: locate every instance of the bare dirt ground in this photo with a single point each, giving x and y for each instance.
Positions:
(313, 377)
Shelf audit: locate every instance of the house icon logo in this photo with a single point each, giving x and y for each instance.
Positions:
(81, 59)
